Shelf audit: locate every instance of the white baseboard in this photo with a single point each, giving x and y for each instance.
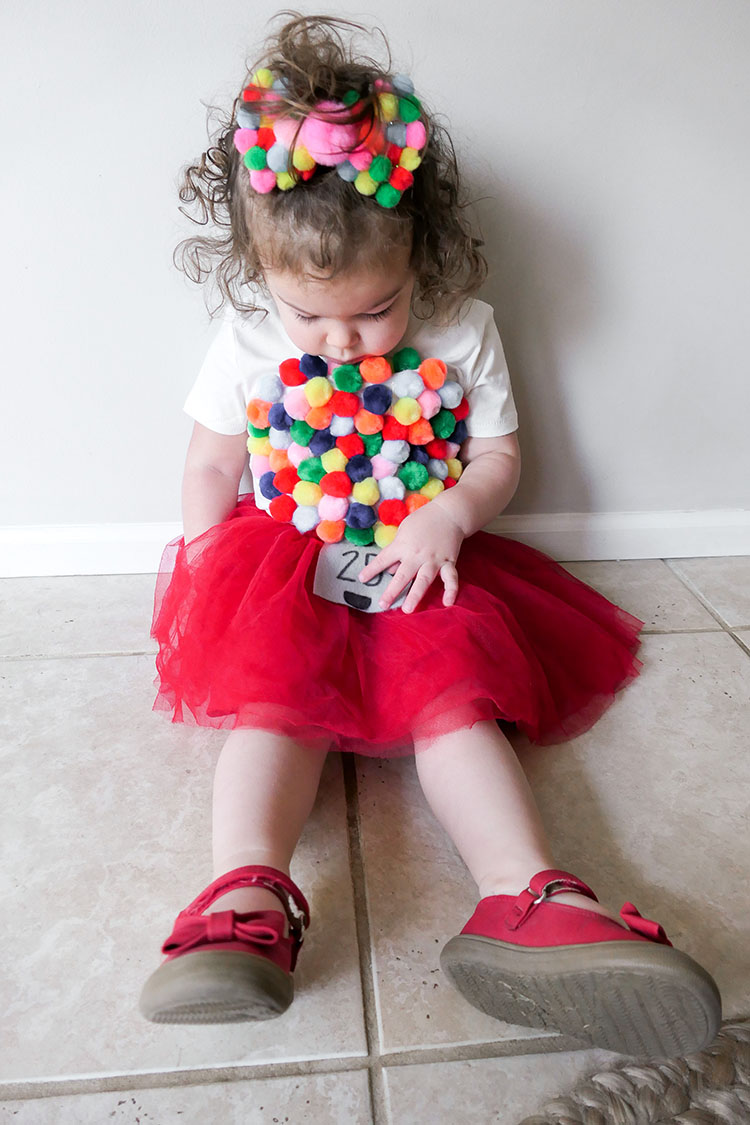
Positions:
(135, 548)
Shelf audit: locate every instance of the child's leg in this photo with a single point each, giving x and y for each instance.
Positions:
(264, 788)
(478, 791)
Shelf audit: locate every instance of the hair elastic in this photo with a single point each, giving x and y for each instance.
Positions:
(377, 156)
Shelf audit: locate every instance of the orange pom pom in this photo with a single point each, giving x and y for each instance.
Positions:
(278, 459)
(415, 500)
(319, 417)
(433, 372)
(420, 432)
(368, 423)
(330, 531)
(257, 413)
(375, 369)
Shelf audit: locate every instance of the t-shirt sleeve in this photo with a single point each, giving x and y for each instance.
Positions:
(217, 399)
(492, 411)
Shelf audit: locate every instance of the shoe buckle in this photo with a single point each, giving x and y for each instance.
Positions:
(552, 888)
(295, 916)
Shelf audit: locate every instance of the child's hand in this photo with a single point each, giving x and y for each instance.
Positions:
(426, 544)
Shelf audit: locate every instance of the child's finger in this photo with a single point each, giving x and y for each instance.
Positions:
(423, 581)
(400, 580)
(381, 562)
(449, 575)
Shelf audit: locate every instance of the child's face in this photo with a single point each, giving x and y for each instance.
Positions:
(345, 318)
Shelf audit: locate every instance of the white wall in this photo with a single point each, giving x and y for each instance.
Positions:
(608, 139)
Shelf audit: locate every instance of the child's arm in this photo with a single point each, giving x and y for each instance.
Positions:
(213, 469)
(429, 540)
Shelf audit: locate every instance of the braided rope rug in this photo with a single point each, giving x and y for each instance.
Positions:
(711, 1087)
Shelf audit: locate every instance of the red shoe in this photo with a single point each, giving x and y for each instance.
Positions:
(542, 964)
(227, 967)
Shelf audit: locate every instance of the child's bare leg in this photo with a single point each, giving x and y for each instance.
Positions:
(264, 789)
(478, 791)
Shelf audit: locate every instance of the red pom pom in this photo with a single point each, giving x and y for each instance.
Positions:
(393, 152)
(252, 94)
(282, 508)
(307, 174)
(393, 430)
(266, 137)
(450, 482)
(461, 410)
(290, 374)
(401, 179)
(286, 479)
(350, 444)
(336, 484)
(437, 448)
(392, 511)
(344, 403)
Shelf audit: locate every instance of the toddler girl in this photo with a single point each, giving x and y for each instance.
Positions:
(351, 599)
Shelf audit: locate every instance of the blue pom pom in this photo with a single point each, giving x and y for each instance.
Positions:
(377, 398)
(347, 171)
(360, 515)
(312, 365)
(460, 433)
(267, 486)
(321, 442)
(396, 134)
(277, 157)
(278, 417)
(359, 468)
(419, 453)
(246, 119)
(402, 83)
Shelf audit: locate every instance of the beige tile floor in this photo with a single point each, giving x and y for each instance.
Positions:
(105, 827)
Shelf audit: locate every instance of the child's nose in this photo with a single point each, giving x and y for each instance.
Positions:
(341, 334)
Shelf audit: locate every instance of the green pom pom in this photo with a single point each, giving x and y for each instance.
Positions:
(380, 169)
(443, 424)
(409, 108)
(372, 442)
(347, 378)
(311, 469)
(350, 97)
(301, 432)
(406, 359)
(414, 475)
(255, 432)
(362, 536)
(387, 195)
(255, 158)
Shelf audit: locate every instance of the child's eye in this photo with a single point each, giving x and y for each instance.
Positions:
(307, 319)
(379, 315)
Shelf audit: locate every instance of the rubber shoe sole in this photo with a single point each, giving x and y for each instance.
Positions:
(216, 986)
(647, 1001)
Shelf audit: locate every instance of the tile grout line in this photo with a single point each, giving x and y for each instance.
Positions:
(693, 589)
(364, 942)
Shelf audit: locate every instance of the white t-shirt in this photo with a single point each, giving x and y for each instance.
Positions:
(246, 348)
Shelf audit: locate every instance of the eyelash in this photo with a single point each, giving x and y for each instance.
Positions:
(366, 316)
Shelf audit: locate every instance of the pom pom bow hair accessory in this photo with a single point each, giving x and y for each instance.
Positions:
(376, 150)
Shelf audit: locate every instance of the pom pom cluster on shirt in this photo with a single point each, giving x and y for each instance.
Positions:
(350, 455)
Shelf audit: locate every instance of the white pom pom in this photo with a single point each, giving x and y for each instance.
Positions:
(305, 518)
(406, 384)
(396, 451)
(279, 439)
(269, 388)
(450, 394)
(341, 426)
(277, 157)
(391, 488)
(437, 468)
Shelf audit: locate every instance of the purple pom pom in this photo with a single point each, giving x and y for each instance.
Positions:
(267, 487)
(359, 468)
(278, 417)
(377, 398)
(360, 515)
(312, 365)
(460, 433)
(419, 453)
(321, 442)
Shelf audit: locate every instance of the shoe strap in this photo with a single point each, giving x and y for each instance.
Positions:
(294, 902)
(542, 886)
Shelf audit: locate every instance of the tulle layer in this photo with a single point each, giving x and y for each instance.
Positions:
(244, 642)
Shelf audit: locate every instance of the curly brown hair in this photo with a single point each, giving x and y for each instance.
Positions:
(326, 227)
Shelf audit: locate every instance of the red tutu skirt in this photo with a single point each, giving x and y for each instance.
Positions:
(244, 642)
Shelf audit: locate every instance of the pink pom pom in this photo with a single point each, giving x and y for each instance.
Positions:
(296, 403)
(416, 134)
(297, 453)
(430, 402)
(263, 180)
(361, 159)
(284, 130)
(259, 465)
(328, 142)
(333, 507)
(452, 450)
(382, 467)
(245, 139)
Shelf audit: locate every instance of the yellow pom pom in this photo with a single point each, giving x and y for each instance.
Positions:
(285, 180)
(259, 445)
(388, 107)
(432, 488)
(318, 391)
(266, 121)
(385, 533)
(365, 184)
(406, 411)
(334, 460)
(302, 160)
(307, 493)
(455, 468)
(366, 491)
(410, 159)
(264, 78)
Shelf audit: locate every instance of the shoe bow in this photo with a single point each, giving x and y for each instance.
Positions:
(644, 926)
(223, 926)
